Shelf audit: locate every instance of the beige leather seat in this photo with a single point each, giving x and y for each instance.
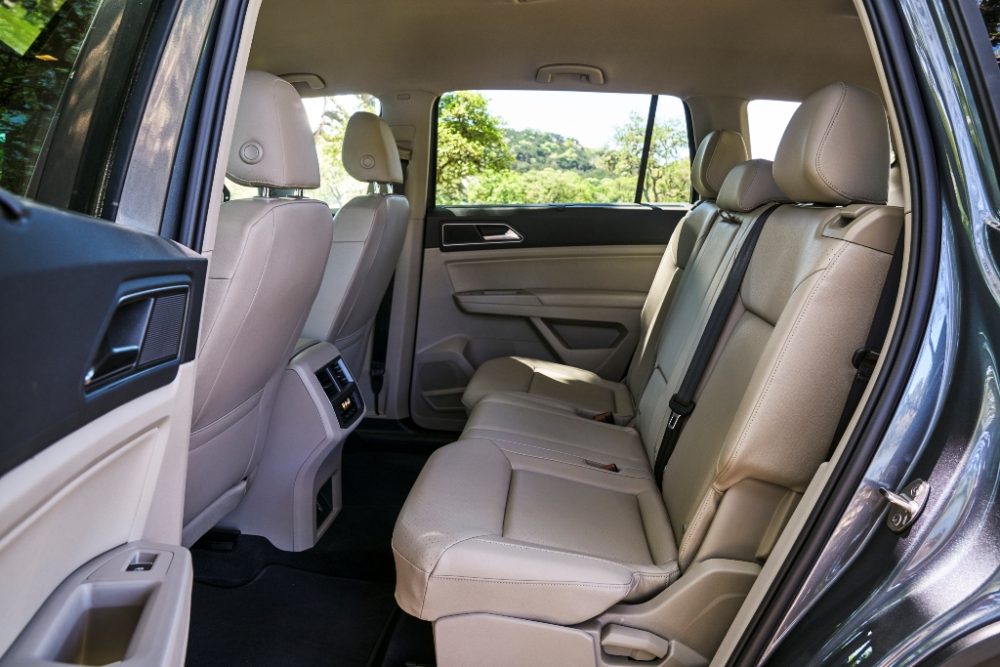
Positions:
(529, 534)
(584, 390)
(263, 275)
(368, 236)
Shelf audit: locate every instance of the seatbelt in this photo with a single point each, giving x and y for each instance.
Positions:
(865, 358)
(682, 403)
(380, 335)
(380, 344)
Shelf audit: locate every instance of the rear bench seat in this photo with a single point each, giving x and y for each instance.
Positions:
(522, 552)
(717, 154)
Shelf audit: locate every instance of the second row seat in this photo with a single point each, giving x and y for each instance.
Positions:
(515, 530)
(717, 154)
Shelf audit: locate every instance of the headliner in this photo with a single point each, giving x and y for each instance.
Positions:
(778, 49)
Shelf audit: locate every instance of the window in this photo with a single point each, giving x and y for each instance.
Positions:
(544, 147)
(768, 120)
(990, 9)
(39, 44)
(328, 117)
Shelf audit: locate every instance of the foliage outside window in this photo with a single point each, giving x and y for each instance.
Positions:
(39, 44)
(540, 147)
(328, 118)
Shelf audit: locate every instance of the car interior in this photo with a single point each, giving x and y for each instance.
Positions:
(431, 424)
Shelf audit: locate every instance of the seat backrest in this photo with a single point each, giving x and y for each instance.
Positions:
(717, 153)
(748, 190)
(367, 239)
(769, 406)
(263, 275)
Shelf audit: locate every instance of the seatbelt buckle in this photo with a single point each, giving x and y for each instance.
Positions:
(604, 418)
(864, 360)
(678, 408)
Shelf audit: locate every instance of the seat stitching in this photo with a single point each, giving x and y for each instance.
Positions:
(741, 441)
(706, 502)
(822, 147)
(518, 582)
(528, 547)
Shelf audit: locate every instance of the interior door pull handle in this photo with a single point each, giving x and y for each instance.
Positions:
(509, 235)
(112, 362)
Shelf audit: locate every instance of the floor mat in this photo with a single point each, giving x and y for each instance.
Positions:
(287, 616)
(255, 604)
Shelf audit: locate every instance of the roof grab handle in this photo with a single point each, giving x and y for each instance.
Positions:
(578, 73)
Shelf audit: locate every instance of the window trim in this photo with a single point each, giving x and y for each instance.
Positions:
(76, 177)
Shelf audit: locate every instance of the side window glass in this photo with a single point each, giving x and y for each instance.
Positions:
(328, 118)
(502, 148)
(40, 41)
(668, 170)
(768, 120)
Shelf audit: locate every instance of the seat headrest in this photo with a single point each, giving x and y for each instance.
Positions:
(835, 149)
(370, 153)
(749, 185)
(717, 153)
(273, 145)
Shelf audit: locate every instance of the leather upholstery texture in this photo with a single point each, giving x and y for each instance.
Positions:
(368, 235)
(719, 151)
(586, 390)
(370, 154)
(544, 515)
(835, 149)
(263, 275)
(272, 145)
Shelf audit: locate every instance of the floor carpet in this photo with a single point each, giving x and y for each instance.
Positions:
(256, 605)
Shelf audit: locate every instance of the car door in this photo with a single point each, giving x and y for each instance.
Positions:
(100, 323)
(548, 251)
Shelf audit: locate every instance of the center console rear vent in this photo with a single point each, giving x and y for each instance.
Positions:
(342, 391)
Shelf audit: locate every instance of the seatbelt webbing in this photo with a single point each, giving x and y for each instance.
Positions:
(682, 402)
(380, 344)
(866, 357)
(380, 335)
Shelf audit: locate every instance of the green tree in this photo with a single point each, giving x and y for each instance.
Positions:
(668, 172)
(470, 141)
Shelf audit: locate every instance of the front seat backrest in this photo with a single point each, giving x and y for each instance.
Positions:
(264, 272)
(368, 236)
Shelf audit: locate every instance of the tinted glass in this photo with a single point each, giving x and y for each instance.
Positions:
(40, 41)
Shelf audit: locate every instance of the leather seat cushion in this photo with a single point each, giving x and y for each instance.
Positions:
(527, 426)
(484, 531)
(572, 386)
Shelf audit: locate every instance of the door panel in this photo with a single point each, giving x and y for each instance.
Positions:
(559, 283)
(99, 335)
(574, 305)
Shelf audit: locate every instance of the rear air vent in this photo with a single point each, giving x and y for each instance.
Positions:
(342, 391)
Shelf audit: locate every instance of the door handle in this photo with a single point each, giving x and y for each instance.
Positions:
(145, 330)
(119, 349)
(458, 234)
(509, 236)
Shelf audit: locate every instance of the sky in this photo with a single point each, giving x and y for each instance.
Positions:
(591, 118)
